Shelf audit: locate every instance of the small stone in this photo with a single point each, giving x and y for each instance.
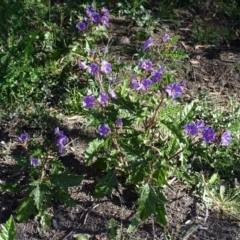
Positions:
(124, 41)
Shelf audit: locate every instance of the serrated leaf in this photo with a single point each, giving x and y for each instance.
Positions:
(213, 178)
(139, 170)
(64, 198)
(152, 201)
(133, 225)
(174, 130)
(65, 180)
(160, 175)
(9, 230)
(45, 220)
(188, 112)
(37, 196)
(25, 210)
(93, 148)
(222, 191)
(105, 185)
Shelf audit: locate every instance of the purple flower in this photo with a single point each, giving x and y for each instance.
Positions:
(96, 17)
(91, 51)
(112, 94)
(81, 26)
(61, 142)
(200, 124)
(147, 43)
(105, 12)
(35, 162)
(106, 67)
(82, 65)
(89, 10)
(182, 85)
(146, 65)
(136, 84)
(208, 134)
(105, 49)
(191, 129)
(157, 74)
(119, 122)
(147, 83)
(226, 138)
(104, 130)
(57, 132)
(23, 137)
(93, 68)
(174, 90)
(165, 37)
(88, 102)
(104, 20)
(103, 99)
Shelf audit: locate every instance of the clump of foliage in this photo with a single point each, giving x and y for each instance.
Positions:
(145, 132)
(45, 180)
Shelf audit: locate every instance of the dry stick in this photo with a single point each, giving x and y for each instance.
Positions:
(100, 82)
(85, 219)
(153, 119)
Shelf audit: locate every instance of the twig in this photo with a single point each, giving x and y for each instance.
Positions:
(85, 219)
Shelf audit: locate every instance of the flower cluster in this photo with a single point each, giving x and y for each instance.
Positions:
(95, 17)
(103, 98)
(61, 140)
(93, 68)
(152, 76)
(207, 133)
(105, 130)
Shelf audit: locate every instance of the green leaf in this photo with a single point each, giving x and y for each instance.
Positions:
(105, 185)
(213, 178)
(133, 225)
(25, 210)
(222, 191)
(152, 201)
(9, 230)
(111, 227)
(174, 130)
(45, 220)
(65, 180)
(64, 198)
(139, 170)
(10, 187)
(188, 112)
(160, 174)
(93, 148)
(37, 196)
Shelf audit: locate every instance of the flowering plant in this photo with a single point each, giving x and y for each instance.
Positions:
(93, 25)
(45, 179)
(144, 129)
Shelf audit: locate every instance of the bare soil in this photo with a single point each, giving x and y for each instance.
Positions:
(211, 68)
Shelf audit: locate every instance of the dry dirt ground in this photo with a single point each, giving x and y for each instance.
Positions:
(212, 68)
